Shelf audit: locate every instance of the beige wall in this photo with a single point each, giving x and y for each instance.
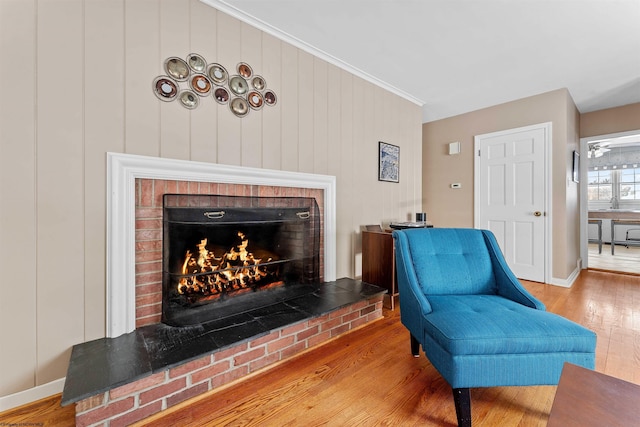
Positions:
(76, 82)
(611, 120)
(448, 207)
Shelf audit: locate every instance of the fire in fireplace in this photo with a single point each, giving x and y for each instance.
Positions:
(222, 253)
(205, 276)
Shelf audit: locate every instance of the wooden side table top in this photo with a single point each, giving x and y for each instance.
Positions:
(588, 398)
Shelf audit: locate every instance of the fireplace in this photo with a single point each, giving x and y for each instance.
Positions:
(228, 254)
(133, 281)
(145, 365)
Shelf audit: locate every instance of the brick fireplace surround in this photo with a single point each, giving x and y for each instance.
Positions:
(148, 205)
(160, 389)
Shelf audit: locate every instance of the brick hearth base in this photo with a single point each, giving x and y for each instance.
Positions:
(140, 399)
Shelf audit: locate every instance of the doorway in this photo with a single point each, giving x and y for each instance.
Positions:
(610, 202)
(511, 195)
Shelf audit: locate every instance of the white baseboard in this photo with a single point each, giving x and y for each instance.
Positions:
(31, 395)
(568, 282)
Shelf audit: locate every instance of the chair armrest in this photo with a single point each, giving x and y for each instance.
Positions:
(411, 296)
(508, 284)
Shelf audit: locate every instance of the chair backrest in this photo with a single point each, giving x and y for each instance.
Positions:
(449, 261)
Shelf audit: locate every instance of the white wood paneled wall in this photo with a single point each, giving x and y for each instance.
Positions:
(75, 79)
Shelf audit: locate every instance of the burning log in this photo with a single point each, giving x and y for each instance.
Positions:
(205, 274)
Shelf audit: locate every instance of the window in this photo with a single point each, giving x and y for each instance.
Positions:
(600, 185)
(624, 184)
(630, 184)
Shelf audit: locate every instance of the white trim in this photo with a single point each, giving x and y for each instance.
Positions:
(31, 395)
(548, 209)
(568, 282)
(233, 11)
(122, 171)
(584, 187)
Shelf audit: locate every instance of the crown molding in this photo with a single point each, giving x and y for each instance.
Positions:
(288, 38)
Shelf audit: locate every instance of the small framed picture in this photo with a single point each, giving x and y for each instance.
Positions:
(576, 166)
(388, 162)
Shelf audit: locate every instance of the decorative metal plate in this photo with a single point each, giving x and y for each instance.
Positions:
(239, 107)
(217, 73)
(165, 88)
(258, 83)
(255, 99)
(200, 84)
(196, 63)
(188, 99)
(244, 70)
(238, 85)
(221, 95)
(270, 97)
(177, 68)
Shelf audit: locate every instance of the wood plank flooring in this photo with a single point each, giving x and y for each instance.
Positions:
(369, 378)
(625, 260)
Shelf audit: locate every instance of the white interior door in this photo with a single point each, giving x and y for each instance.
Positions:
(510, 195)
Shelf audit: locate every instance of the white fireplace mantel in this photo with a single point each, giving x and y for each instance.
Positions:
(124, 169)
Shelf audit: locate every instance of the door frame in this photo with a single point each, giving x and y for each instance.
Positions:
(548, 171)
(584, 187)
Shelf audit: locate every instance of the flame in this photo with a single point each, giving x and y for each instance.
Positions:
(207, 274)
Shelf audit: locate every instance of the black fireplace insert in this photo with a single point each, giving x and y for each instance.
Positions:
(223, 253)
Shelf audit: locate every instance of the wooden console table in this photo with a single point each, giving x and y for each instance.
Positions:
(379, 262)
(587, 398)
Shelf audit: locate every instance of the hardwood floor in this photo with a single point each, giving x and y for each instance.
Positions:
(625, 260)
(369, 378)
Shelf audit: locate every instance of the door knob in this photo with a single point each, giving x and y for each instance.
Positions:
(537, 213)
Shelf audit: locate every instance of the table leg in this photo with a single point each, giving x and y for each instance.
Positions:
(613, 236)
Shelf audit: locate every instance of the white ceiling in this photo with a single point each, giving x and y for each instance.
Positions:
(456, 56)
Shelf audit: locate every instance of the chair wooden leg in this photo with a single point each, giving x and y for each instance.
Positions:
(415, 347)
(462, 400)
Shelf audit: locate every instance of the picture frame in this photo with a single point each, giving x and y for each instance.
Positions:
(576, 167)
(388, 162)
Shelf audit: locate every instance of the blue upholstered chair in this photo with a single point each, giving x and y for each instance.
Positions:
(475, 322)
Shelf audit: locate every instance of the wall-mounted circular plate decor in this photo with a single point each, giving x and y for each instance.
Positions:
(239, 107)
(255, 99)
(244, 70)
(258, 83)
(191, 78)
(217, 73)
(196, 63)
(188, 99)
(177, 68)
(221, 95)
(165, 88)
(200, 84)
(270, 97)
(238, 85)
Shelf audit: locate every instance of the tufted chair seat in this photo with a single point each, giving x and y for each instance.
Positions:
(478, 326)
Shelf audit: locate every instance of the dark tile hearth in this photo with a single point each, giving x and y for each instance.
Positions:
(101, 365)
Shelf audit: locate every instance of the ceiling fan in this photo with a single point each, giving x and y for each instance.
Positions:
(596, 150)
